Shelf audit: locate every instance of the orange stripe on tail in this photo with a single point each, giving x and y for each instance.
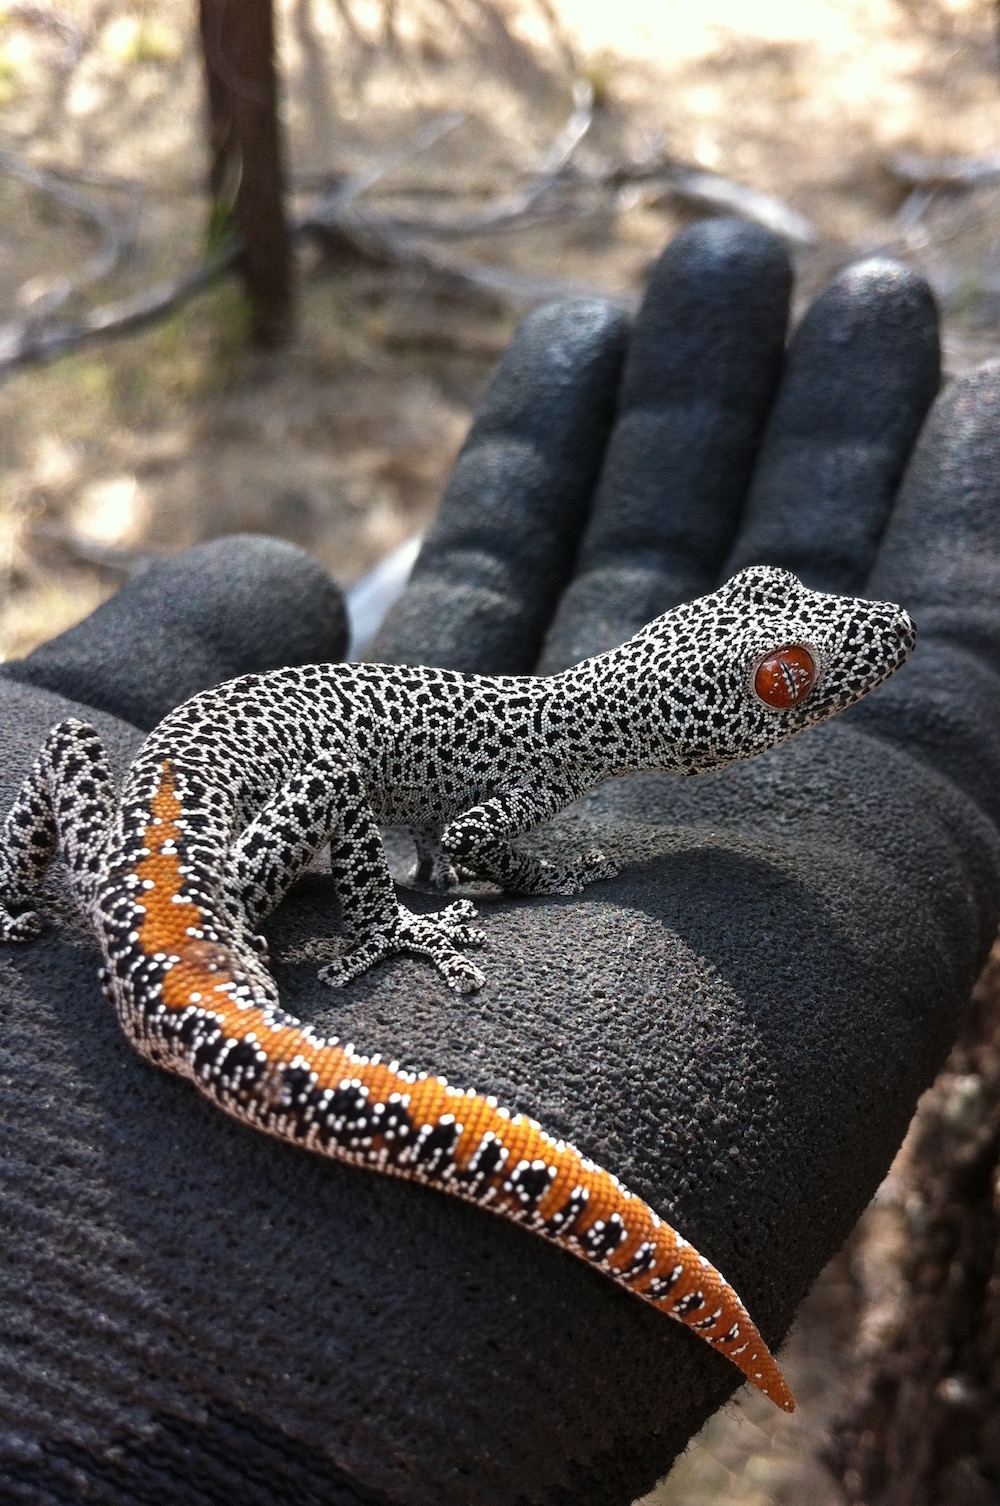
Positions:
(644, 1254)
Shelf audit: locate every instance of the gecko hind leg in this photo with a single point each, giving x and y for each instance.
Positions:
(437, 937)
(326, 802)
(434, 869)
(66, 805)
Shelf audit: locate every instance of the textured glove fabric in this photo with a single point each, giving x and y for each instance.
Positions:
(237, 605)
(698, 382)
(504, 542)
(738, 1025)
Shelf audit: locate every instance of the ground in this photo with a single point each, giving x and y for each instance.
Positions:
(343, 442)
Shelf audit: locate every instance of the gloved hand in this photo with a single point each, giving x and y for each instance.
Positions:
(739, 1024)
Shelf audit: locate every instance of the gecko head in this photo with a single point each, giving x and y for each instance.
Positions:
(764, 657)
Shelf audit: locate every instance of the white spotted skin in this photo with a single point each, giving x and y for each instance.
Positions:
(232, 795)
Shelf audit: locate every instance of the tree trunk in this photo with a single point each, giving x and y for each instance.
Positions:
(923, 1425)
(245, 171)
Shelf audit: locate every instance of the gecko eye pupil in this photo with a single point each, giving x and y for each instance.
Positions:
(785, 677)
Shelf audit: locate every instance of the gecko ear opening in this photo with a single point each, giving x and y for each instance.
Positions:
(784, 677)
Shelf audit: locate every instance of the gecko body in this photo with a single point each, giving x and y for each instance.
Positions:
(231, 797)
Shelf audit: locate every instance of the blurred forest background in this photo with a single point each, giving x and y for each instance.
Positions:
(449, 164)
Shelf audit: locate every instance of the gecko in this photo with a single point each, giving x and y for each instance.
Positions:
(233, 795)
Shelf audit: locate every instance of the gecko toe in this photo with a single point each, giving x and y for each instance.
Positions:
(459, 910)
(19, 928)
(354, 961)
(461, 975)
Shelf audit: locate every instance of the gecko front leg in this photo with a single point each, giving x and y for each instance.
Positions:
(479, 840)
(327, 802)
(65, 804)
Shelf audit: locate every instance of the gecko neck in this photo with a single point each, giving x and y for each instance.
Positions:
(621, 739)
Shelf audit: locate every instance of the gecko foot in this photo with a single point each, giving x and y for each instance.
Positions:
(567, 878)
(24, 927)
(590, 867)
(434, 871)
(436, 937)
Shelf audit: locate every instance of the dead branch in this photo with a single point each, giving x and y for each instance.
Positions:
(559, 187)
(390, 250)
(514, 207)
(117, 233)
(712, 191)
(23, 344)
(337, 204)
(945, 172)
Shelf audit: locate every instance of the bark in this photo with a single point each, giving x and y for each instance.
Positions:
(245, 173)
(923, 1426)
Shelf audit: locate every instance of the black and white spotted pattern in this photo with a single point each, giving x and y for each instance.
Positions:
(271, 768)
(234, 793)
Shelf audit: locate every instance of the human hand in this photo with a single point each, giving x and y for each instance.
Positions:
(738, 1024)
(829, 905)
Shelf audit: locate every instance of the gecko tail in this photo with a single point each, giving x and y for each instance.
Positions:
(670, 1274)
(704, 1301)
(749, 1352)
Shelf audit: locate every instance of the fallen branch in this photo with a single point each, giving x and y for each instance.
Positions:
(24, 344)
(945, 172)
(712, 191)
(336, 204)
(117, 233)
(375, 244)
(408, 242)
(514, 207)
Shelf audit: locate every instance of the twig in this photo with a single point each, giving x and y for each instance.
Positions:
(514, 207)
(376, 244)
(397, 241)
(392, 242)
(111, 181)
(333, 207)
(117, 234)
(712, 191)
(709, 190)
(913, 208)
(22, 344)
(945, 172)
(25, 342)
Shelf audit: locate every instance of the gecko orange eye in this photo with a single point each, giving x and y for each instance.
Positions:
(785, 677)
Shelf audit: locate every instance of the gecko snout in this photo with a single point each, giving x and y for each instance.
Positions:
(896, 630)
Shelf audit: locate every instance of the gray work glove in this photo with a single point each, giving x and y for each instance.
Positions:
(738, 1025)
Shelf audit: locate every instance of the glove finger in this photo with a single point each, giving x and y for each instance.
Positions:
(861, 373)
(941, 558)
(502, 546)
(216, 611)
(697, 386)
